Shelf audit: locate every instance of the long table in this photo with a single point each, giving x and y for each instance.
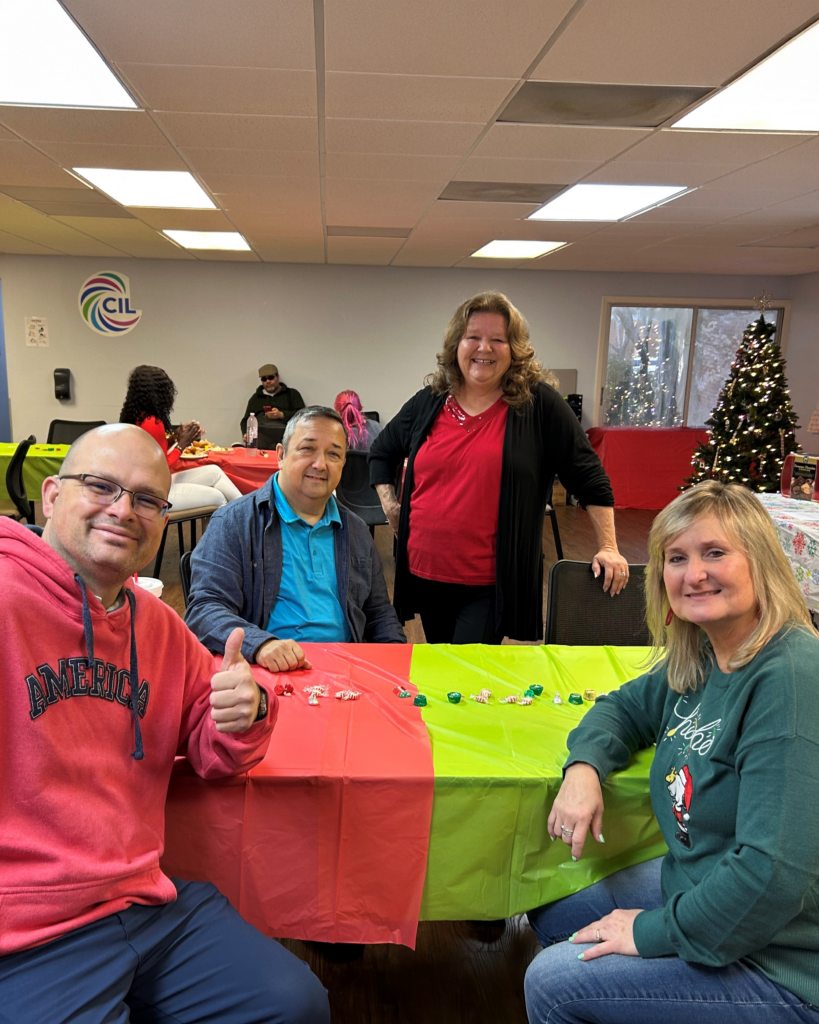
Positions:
(249, 470)
(368, 815)
(646, 465)
(797, 523)
(42, 460)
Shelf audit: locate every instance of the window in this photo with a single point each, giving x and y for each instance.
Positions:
(663, 362)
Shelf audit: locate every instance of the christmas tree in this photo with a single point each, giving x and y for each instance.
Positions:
(752, 426)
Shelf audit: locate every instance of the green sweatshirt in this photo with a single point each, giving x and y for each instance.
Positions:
(734, 786)
(286, 400)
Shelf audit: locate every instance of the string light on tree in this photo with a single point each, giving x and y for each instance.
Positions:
(753, 418)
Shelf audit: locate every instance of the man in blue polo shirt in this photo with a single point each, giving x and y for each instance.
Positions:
(288, 563)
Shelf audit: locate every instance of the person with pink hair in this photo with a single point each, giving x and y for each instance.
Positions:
(361, 431)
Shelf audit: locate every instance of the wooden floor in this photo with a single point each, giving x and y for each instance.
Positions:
(460, 973)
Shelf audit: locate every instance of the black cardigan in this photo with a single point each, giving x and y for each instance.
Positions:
(542, 439)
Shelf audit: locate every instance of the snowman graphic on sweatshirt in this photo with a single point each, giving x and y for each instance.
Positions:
(681, 788)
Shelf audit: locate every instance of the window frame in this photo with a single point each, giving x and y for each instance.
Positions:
(668, 303)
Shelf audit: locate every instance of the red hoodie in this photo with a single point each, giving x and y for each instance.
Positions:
(81, 820)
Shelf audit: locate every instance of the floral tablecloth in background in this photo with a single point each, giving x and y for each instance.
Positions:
(797, 523)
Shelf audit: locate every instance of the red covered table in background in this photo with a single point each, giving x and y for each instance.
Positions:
(646, 465)
(248, 472)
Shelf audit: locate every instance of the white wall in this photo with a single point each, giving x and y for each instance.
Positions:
(373, 329)
(803, 355)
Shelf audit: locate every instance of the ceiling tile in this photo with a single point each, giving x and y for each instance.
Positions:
(432, 38)
(386, 166)
(75, 192)
(566, 142)
(296, 249)
(445, 210)
(587, 103)
(424, 256)
(643, 42)
(23, 247)
(248, 193)
(248, 34)
(130, 236)
(229, 131)
(359, 202)
(498, 192)
(257, 162)
(285, 225)
(562, 172)
(62, 124)
(21, 164)
(734, 149)
(6, 135)
(63, 209)
(365, 251)
(37, 227)
(414, 97)
(136, 158)
(433, 138)
(644, 172)
(223, 90)
(184, 220)
(225, 255)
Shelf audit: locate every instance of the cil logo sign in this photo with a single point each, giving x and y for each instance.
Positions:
(105, 304)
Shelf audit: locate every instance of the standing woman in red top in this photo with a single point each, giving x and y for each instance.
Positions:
(148, 404)
(483, 442)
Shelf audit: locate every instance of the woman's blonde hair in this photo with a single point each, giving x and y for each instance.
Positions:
(524, 371)
(777, 594)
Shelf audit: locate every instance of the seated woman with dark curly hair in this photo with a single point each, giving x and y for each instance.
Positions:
(148, 404)
(725, 927)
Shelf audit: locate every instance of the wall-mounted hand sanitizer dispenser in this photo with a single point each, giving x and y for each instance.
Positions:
(62, 384)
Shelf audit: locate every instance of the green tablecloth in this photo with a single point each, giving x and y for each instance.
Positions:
(498, 769)
(42, 460)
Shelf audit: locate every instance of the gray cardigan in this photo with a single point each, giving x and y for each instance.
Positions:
(237, 569)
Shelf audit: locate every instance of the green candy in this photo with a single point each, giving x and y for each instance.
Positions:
(454, 697)
(536, 689)
(419, 700)
(530, 692)
(575, 698)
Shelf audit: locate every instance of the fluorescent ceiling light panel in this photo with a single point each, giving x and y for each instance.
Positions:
(176, 190)
(46, 61)
(208, 239)
(779, 94)
(605, 202)
(507, 249)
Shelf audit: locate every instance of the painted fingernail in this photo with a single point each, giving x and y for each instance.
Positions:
(574, 858)
(552, 838)
(601, 839)
(572, 936)
(580, 956)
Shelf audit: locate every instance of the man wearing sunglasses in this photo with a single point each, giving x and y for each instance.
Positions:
(272, 401)
(101, 686)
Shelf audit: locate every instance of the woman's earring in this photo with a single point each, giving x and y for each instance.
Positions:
(669, 617)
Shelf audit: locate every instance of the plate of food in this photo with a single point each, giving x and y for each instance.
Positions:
(199, 449)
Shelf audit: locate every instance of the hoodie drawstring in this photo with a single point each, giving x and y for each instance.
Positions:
(88, 629)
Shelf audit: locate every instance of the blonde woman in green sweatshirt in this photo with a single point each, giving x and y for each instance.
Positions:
(725, 927)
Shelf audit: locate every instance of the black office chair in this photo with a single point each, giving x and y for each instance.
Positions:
(271, 433)
(355, 493)
(372, 415)
(188, 515)
(18, 506)
(67, 431)
(579, 612)
(185, 575)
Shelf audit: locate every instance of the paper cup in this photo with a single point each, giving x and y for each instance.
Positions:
(153, 586)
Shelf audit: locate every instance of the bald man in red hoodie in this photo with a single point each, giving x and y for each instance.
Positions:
(91, 930)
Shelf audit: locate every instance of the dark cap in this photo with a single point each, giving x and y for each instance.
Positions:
(268, 370)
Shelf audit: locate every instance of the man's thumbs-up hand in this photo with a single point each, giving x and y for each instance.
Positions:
(234, 698)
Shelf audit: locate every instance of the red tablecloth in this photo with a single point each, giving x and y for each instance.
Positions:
(248, 472)
(343, 797)
(646, 465)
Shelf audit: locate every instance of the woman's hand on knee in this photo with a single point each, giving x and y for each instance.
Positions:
(578, 808)
(613, 933)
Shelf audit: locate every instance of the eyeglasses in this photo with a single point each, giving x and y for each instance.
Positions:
(106, 492)
(273, 377)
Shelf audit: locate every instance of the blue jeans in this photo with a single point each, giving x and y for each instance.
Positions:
(188, 962)
(615, 989)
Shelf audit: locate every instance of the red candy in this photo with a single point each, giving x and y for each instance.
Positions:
(288, 689)
(278, 689)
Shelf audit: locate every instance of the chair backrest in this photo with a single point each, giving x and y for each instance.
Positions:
(355, 481)
(579, 612)
(67, 431)
(271, 433)
(14, 479)
(372, 415)
(185, 575)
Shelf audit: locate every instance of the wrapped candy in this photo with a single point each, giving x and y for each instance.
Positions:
(487, 694)
(575, 698)
(511, 699)
(590, 695)
(536, 689)
(526, 700)
(454, 697)
(288, 689)
(348, 695)
(529, 693)
(557, 699)
(278, 689)
(479, 697)
(419, 700)
(314, 691)
(313, 699)
(400, 691)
